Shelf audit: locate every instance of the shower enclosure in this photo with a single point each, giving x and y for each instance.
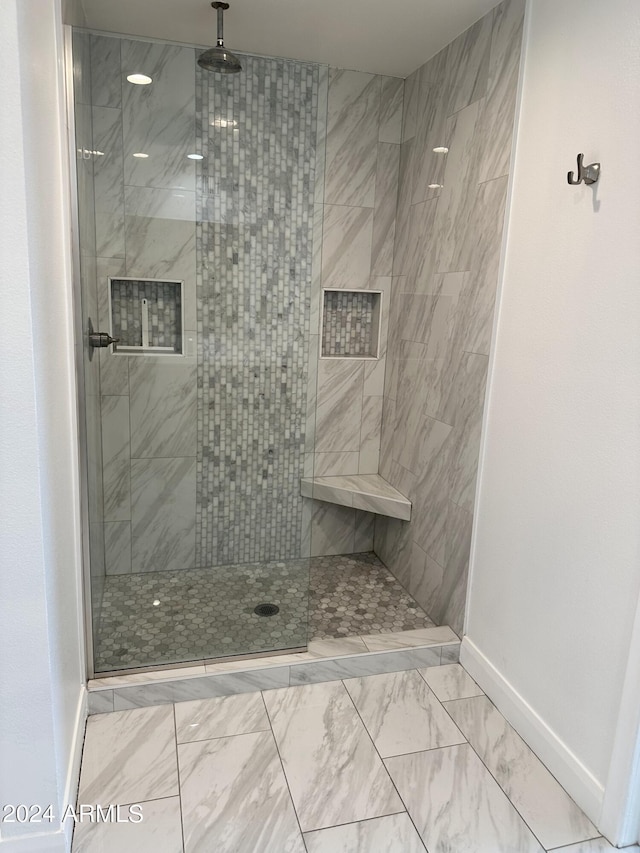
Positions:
(196, 235)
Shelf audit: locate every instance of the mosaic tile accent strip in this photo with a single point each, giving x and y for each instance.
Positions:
(257, 134)
(164, 307)
(207, 613)
(348, 327)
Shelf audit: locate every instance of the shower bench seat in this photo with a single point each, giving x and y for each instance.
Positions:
(369, 492)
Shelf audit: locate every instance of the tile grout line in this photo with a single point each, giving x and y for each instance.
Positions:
(175, 734)
(488, 769)
(406, 810)
(284, 772)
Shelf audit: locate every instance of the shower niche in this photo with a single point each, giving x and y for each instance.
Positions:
(351, 324)
(146, 316)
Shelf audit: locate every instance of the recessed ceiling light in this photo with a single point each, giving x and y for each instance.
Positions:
(195, 156)
(435, 186)
(141, 155)
(440, 150)
(139, 79)
(156, 602)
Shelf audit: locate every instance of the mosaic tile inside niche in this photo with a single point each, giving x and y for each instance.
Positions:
(205, 613)
(164, 311)
(254, 239)
(348, 324)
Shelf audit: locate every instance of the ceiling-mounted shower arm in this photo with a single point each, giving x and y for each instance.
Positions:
(220, 8)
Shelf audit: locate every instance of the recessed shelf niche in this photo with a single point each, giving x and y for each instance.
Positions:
(351, 323)
(146, 316)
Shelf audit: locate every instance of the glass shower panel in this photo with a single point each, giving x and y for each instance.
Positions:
(204, 234)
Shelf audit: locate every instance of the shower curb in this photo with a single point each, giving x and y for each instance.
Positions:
(246, 679)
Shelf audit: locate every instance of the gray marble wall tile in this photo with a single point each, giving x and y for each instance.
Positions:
(114, 370)
(346, 246)
(440, 325)
(363, 531)
(117, 547)
(116, 456)
(163, 500)
(332, 529)
(108, 182)
(316, 271)
(370, 431)
(163, 407)
(333, 464)
(410, 108)
(339, 407)
(159, 829)
(546, 807)
(81, 67)
(390, 123)
(384, 215)
(222, 800)
(392, 834)
(190, 689)
(352, 137)
(451, 653)
(468, 65)
(321, 133)
(450, 795)
(106, 72)
(401, 713)
(498, 114)
(334, 773)
(364, 665)
(129, 757)
(159, 119)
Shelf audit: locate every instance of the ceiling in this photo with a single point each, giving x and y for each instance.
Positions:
(391, 37)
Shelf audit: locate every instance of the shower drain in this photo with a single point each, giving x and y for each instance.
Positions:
(266, 609)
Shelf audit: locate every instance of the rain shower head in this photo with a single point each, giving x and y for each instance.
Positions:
(218, 58)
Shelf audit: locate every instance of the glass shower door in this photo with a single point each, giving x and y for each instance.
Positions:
(198, 227)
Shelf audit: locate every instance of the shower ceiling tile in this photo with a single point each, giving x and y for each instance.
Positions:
(352, 136)
(159, 119)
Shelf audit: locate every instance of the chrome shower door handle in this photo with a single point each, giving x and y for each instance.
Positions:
(101, 339)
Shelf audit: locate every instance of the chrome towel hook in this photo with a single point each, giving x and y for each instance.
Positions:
(589, 174)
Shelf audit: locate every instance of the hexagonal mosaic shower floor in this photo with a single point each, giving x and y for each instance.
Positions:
(173, 617)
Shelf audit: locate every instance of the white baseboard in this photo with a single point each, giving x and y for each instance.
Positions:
(75, 759)
(582, 786)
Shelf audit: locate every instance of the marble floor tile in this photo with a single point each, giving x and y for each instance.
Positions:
(214, 718)
(334, 773)
(401, 713)
(391, 834)
(597, 845)
(542, 802)
(407, 639)
(450, 682)
(129, 757)
(159, 831)
(456, 805)
(235, 797)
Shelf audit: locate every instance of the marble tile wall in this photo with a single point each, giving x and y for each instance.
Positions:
(145, 229)
(355, 216)
(203, 455)
(448, 239)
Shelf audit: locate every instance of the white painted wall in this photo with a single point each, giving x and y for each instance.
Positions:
(556, 550)
(41, 662)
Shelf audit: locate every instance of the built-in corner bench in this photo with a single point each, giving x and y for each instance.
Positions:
(369, 492)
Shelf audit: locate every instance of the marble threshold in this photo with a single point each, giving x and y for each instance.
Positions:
(369, 492)
(325, 660)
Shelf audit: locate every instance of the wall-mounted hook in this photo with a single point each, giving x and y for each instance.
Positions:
(589, 174)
